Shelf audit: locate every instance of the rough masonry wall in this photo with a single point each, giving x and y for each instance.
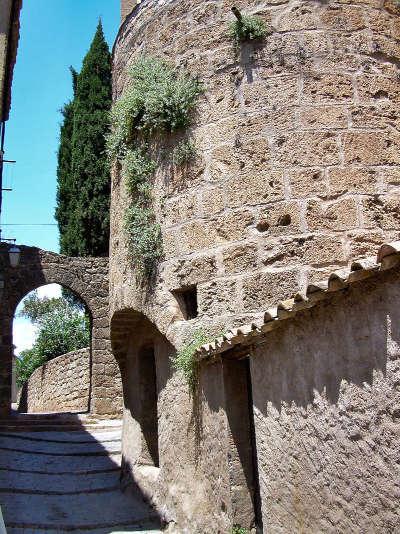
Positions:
(60, 385)
(298, 167)
(297, 173)
(326, 403)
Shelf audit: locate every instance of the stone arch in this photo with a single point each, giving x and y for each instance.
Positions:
(88, 279)
(143, 354)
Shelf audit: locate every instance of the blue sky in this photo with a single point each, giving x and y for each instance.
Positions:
(54, 35)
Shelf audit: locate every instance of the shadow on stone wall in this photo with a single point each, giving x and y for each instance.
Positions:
(345, 340)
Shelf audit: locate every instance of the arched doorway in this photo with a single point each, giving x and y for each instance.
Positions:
(144, 357)
(52, 364)
(88, 279)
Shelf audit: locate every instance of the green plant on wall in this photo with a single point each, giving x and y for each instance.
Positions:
(247, 28)
(158, 101)
(185, 359)
(184, 152)
(237, 529)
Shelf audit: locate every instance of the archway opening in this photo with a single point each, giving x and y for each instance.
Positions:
(52, 357)
(144, 356)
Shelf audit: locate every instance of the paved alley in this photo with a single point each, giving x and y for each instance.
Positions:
(60, 473)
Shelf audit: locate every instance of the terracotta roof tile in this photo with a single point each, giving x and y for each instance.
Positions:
(388, 257)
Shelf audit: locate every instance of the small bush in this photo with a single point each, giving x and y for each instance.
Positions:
(61, 329)
(248, 28)
(26, 363)
(185, 361)
(184, 152)
(159, 100)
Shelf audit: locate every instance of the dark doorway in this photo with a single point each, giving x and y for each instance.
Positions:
(148, 401)
(242, 455)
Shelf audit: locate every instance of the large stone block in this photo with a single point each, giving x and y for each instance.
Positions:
(265, 289)
(314, 250)
(316, 117)
(307, 182)
(318, 88)
(382, 212)
(219, 297)
(338, 215)
(352, 180)
(307, 149)
(240, 259)
(372, 148)
(280, 218)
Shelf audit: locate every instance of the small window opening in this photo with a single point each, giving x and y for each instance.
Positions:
(187, 300)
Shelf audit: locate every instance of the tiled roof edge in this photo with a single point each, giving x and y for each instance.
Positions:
(359, 270)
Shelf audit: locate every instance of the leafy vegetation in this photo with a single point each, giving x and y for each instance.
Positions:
(248, 28)
(61, 327)
(185, 361)
(184, 152)
(144, 237)
(237, 529)
(83, 175)
(158, 101)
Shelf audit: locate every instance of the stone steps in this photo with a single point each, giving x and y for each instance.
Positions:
(56, 481)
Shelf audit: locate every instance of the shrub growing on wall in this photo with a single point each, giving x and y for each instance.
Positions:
(158, 101)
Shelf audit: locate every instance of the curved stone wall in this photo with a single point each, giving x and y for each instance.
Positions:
(60, 385)
(299, 152)
(297, 173)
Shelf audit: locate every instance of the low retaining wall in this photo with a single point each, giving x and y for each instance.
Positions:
(60, 385)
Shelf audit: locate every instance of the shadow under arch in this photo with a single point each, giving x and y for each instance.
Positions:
(23, 403)
(144, 355)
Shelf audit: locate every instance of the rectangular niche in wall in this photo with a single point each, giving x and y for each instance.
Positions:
(187, 300)
(242, 455)
(148, 402)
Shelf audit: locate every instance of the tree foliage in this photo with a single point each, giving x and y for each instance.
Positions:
(61, 328)
(83, 195)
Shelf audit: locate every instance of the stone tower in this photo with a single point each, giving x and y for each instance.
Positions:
(297, 174)
(299, 151)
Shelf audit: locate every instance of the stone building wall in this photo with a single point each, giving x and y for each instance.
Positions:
(60, 385)
(326, 406)
(298, 167)
(297, 174)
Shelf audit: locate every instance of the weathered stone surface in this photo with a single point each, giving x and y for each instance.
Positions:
(264, 289)
(326, 397)
(338, 215)
(61, 385)
(352, 180)
(295, 136)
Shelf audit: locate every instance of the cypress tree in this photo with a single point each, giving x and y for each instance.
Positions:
(64, 167)
(84, 196)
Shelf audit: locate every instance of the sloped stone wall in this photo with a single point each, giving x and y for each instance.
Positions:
(60, 385)
(298, 152)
